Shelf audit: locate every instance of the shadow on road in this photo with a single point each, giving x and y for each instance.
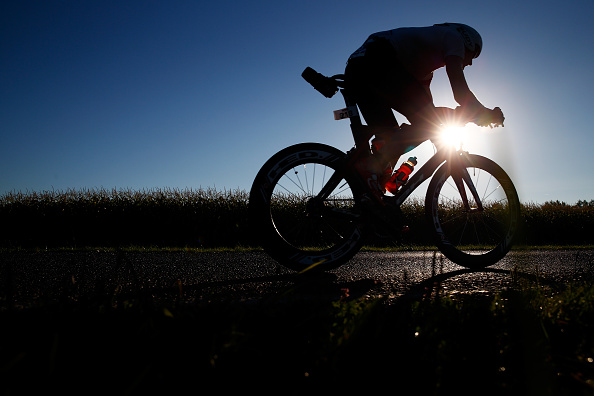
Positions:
(328, 286)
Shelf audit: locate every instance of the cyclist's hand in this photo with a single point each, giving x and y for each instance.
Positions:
(490, 118)
(498, 117)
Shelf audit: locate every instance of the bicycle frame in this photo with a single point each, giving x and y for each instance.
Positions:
(445, 154)
(458, 171)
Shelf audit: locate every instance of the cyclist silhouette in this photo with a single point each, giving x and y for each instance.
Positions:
(393, 70)
(307, 205)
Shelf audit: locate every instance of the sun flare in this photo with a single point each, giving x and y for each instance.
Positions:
(453, 135)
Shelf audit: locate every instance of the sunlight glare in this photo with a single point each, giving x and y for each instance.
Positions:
(453, 135)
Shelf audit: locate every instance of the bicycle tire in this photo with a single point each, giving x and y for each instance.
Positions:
(475, 238)
(295, 228)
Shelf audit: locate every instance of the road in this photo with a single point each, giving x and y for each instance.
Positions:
(29, 278)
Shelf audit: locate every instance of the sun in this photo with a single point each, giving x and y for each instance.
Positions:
(453, 135)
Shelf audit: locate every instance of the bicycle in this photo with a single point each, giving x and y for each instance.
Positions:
(309, 209)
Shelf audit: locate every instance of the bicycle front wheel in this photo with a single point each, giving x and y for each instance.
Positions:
(296, 224)
(481, 234)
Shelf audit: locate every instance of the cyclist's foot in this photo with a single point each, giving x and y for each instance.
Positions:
(371, 178)
(390, 222)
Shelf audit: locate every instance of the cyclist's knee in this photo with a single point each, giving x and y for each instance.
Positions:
(425, 119)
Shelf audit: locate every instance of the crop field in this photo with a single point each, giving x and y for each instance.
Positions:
(528, 339)
(209, 218)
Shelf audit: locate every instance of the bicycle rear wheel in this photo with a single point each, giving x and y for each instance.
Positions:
(296, 225)
(473, 237)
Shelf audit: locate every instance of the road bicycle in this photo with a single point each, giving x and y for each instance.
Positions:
(310, 208)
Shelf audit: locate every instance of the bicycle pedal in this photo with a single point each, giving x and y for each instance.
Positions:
(370, 204)
(390, 201)
(388, 221)
(390, 231)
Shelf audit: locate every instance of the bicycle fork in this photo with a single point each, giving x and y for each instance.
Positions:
(461, 177)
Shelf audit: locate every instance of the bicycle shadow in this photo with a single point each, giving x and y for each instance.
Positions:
(414, 291)
(433, 285)
(327, 286)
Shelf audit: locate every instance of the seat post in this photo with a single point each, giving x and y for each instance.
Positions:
(361, 133)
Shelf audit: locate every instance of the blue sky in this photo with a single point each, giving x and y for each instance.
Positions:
(186, 94)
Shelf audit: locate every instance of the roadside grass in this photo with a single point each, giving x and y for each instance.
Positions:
(530, 338)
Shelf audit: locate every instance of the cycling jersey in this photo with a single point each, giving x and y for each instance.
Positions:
(420, 50)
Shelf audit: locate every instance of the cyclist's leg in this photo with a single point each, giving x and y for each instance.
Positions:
(365, 76)
(411, 99)
(380, 84)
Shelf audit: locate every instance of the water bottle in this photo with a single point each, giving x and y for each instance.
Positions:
(401, 175)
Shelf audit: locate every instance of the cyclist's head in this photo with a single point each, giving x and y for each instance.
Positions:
(472, 39)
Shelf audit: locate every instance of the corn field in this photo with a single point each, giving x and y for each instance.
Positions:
(210, 218)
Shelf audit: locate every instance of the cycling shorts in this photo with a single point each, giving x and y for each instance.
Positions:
(380, 83)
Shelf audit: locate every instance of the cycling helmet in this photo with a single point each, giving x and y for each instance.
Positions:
(472, 39)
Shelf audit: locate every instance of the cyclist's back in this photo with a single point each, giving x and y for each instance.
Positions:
(421, 50)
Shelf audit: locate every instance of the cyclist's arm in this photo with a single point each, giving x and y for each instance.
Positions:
(470, 105)
(462, 94)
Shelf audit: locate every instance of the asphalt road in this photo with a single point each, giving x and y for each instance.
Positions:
(30, 278)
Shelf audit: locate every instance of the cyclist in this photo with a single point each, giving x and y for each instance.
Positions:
(393, 70)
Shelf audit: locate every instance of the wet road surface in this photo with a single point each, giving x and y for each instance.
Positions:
(30, 278)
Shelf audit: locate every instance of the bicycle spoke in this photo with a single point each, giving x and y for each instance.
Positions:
(305, 176)
(325, 226)
(342, 189)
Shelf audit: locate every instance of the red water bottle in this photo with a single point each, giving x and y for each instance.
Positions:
(401, 175)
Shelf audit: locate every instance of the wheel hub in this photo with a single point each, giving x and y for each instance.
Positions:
(314, 207)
